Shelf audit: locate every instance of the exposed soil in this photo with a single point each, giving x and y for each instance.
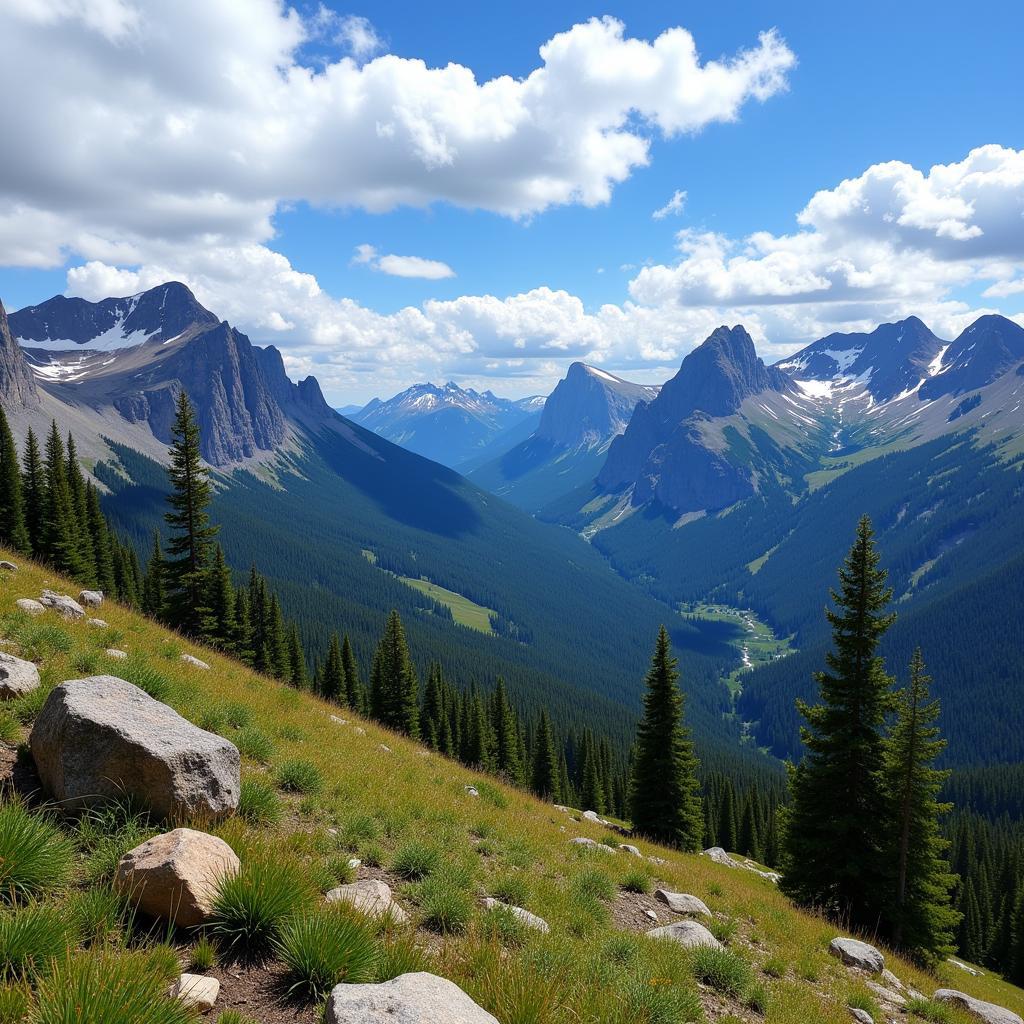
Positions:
(260, 992)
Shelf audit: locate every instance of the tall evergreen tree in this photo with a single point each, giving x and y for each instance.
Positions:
(918, 910)
(102, 546)
(191, 533)
(664, 797)
(34, 492)
(154, 598)
(13, 529)
(354, 695)
(836, 827)
(220, 599)
(506, 734)
(277, 641)
(298, 673)
(544, 776)
(332, 674)
(395, 685)
(80, 518)
(60, 535)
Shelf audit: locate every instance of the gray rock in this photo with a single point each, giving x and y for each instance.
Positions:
(889, 996)
(8, 566)
(90, 598)
(522, 916)
(593, 816)
(113, 652)
(855, 953)
(96, 623)
(630, 849)
(102, 738)
(194, 662)
(65, 606)
(861, 1016)
(17, 677)
(419, 998)
(719, 856)
(472, 790)
(651, 914)
(199, 991)
(27, 604)
(987, 1012)
(963, 966)
(682, 902)
(371, 897)
(584, 841)
(686, 933)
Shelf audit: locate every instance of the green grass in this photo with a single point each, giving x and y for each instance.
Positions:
(35, 856)
(464, 612)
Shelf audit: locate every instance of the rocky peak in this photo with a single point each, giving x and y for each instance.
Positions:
(990, 347)
(17, 385)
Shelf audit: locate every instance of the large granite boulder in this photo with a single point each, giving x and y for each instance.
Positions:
(101, 738)
(66, 607)
(987, 1012)
(17, 677)
(371, 897)
(30, 606)
(686, 933)
(855, 953)
(419, 998)
(90, 598)
(682, 902)
(174, 876)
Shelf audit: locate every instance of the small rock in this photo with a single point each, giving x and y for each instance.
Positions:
(17, 677)
(592, 816)
(657, 860)
(384, 747)
(522, 916)
(371, 897)
(419, 998)
(472, 790)
(889, 996)
(563, 808)
(174, 876)
(584, 841)
(964, 967)
(862, 1016)
(855, 953)
(630, 849)
(91, 598)
(651, 914)
(26, 604)
(686, 933)
(96, 623)
(194, 662)
(197, 990)
(719, 856)
(65, 606)
(113, 652)
(8, 566)
(359, 730)
(989, 1013)
(339, 721)
(353, 863)
(682, 902)
(890, 979)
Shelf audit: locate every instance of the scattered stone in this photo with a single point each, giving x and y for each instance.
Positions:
(989, 1013)
(890, 979)
(196, 990)
(855, 953)
(8, 566)
(657, 860)
(522, 916)
(173, 877)
(686, 933)
(96, 623)
(719, 856)
(862, 1016)
(682, 902)
(419, 998)
(102, 738)
(384, 747)
(354, 863)
(593, 816)
(194, 662)
(17, 677)
(339, 721)
(889, 996)
(584, 841)
(563, 808)
(113, 652)
(964, 967)
(472, 790)
(651, 914)
(27, 604)
(359, 730)
(371, 897)
(630, 849)
(91, 598)
(65, 606)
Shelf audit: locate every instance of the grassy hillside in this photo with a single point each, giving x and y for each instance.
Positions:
(321, 786)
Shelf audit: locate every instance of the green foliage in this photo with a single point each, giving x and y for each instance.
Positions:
(99, 913)
(636, 880)
(204, 954)
(399, 955)
(721, 969)
(35, 856)
(325, 948)
(931, 1011)
(10, 729)
(258, 804)
(394, 686)
(445, 901)
(297, 775)
(592, 884)
(254, 743)
(15, 1003)
(661, 1003)
(139, 670)
(415, 859)
(31, 938)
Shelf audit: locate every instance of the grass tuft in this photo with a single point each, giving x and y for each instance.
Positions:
(258, 804)
(297, 775)
(722, 970)
(35, 856)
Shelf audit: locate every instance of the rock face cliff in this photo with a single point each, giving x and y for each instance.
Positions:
(17, 385)
(990, 347)
(663, 455)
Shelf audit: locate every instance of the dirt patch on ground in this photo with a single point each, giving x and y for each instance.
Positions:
(260, 991)
(631, 912)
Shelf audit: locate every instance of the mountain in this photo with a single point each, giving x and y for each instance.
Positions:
(17, 384)
(347, 525)
(587, 409)
(448, 424)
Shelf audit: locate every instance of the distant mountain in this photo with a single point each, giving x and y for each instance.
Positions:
(348, 410)
(587, 409)
(448, 424)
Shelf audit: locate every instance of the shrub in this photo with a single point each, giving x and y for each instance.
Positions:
(339, 872)
(292, 734)
(511, 888)
(775, 967)
(86, 663)
(358, 829)
(204, 954)
(30, 938)
(234, 1017)
(809, 969)
(34, 854)
(715, 889)
(500, 925)
(723, 928)
(722, 969)
(620, 949)
(254, 743)
(39, 641)
(250, 908)
(757, 998)
(99, 912)
(15, 1003)
(415, 860)
(108, 988)
(107, 832)
(237, 714)
(258, 804)
(636, 881)
(212, 720)
(326, 948)
(862, 1001)
(299, 776)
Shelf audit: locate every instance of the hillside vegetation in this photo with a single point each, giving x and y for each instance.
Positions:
(319, 789)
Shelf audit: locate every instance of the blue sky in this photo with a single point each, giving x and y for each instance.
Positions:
(866, 84)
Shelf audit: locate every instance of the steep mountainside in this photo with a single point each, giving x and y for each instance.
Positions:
(582, 415)
(448, 424)
(17, 384)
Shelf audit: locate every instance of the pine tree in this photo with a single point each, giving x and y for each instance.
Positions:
(1015, 956)
(219, 626)
(355, 698)
(664, 799)
(277, 641)
(332, 675)
(544, 777)
(506, 735)
(591, 790)
(728, 829)
(396, 687)
(13, 530)
(154, 598)
(60, 536)
(191, 533)
(298, 674)
(101, 541)
(34, 492)
(836, 825)
(919, 913)
(79, 504)
(241, 642)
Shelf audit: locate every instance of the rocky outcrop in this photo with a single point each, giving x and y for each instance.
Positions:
(371, 897)
(103, 738)
(682, 902)
(855, 953)
(524, 917)
(7, 566)
(989, 1013)
(30, 606)
(17, 677)
(66, 607)
(17, 384)
(90, 598)
(990, 347)
(174, 876)
(418, 998)
(686, 933)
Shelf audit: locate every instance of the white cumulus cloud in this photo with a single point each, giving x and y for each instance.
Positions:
(674, 206)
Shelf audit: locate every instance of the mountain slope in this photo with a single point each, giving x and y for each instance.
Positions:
(17, 384)
(447, 424)
(587, 409)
